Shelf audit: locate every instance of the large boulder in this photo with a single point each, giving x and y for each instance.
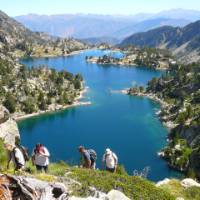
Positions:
(188, 182)
(8, 127)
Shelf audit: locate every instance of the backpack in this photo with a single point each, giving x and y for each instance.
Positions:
(24, 151)
(93, 154)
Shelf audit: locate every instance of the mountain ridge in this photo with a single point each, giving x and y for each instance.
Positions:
(183, 42)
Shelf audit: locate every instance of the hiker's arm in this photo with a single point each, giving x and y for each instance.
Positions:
(46, 152)
(116, 162)
(9, 159)
(88, 163)
(33, 158)
(103, 161)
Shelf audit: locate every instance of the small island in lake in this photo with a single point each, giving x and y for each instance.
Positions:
(150, 57)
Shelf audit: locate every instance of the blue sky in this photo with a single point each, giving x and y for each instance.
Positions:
(19, 7)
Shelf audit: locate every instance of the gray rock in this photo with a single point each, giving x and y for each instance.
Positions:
(116, 195)
(9, 131)
(163, 182)
(188, 182)
(34, 189)
(4, 114)
(98, 194)
(79, 198)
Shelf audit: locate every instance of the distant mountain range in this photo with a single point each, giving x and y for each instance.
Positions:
(84, 26)
(148, 25)
(100, 40)
(77, 26)
(183, 42)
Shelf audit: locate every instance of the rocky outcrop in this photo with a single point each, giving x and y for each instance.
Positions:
(15, 188)
(188, 182)
(27, 188)
(112, 195)
(163, 182)
(8, 127)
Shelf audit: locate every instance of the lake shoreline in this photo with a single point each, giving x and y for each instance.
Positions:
(76, 103)
(164, 105)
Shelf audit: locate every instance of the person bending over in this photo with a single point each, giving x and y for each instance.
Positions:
(88, 157)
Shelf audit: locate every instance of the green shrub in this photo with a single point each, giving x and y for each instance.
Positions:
(134, 187)
(3, 156)
(192, 193)
(121, 170)
(10, 103)
(58, 169)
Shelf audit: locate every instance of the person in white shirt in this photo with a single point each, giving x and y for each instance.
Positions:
(40, 157)
(111, 161)
(17, 157)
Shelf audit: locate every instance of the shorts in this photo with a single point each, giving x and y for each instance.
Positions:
(110, 169)
(19, 166)
(40, 168)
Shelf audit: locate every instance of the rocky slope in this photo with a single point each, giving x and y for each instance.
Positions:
(29, 90)
(183, 42)
(8, 127)
(115, 187)
(16, 40)
(179, 88)
(19, 187)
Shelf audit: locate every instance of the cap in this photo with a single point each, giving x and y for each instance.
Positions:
(108, 151)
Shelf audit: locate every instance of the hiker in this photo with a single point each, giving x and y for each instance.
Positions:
(111, 161)
(40, 157)
(16, 156)
(23, 149)
(89, 157)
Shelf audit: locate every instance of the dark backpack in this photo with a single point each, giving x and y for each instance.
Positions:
(24, 151)
(93, 154)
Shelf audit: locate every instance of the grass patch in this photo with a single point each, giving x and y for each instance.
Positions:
(58, 169)
(134, 187)
(45, 177)
(3, 156)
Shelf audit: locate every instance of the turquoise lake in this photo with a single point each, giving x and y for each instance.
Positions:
(128, 125)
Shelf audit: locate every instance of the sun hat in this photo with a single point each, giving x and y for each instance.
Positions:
(108, 151)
